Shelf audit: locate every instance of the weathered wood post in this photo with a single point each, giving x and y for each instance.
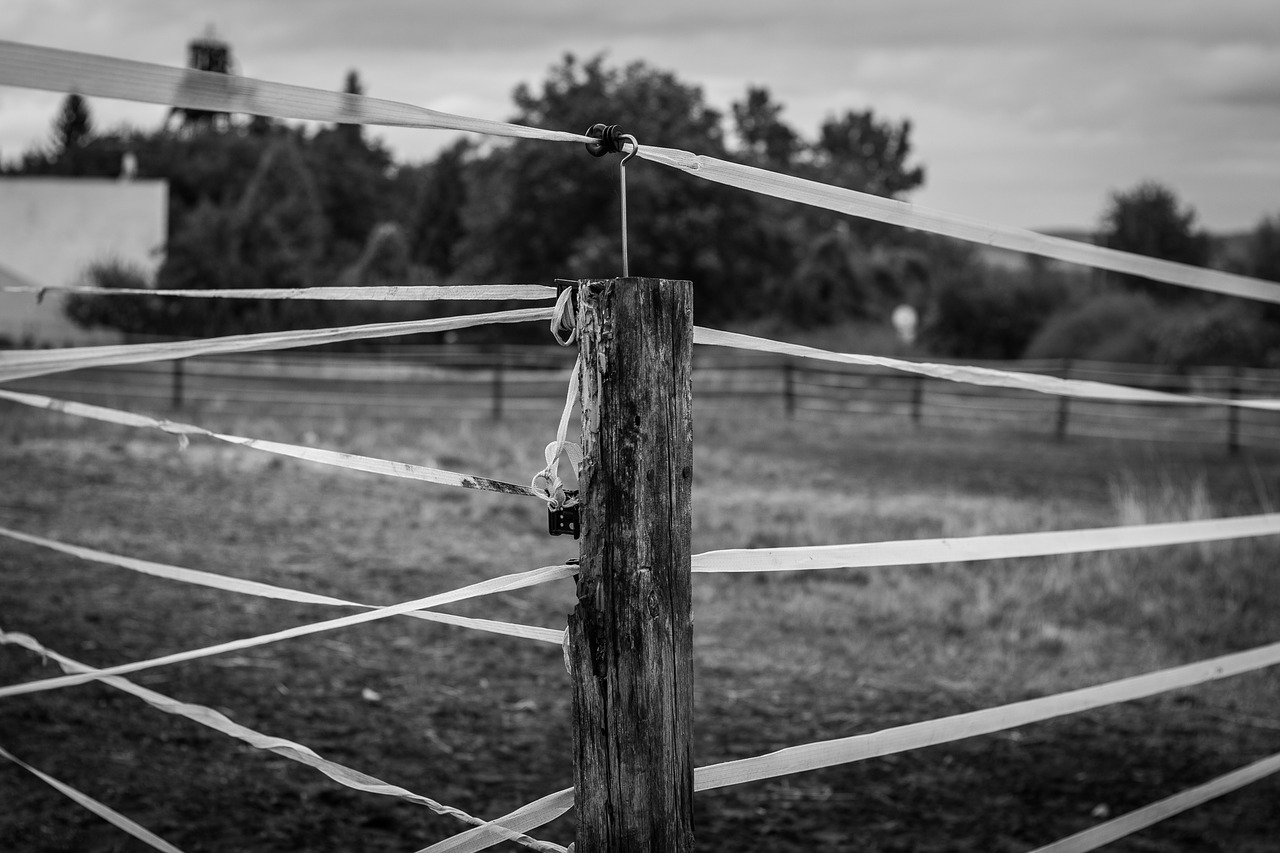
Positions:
(499, 362)
(175, 389)
(789, 388)
(1233, 412)
(1064, 404)
(630, 637)
(917, 398)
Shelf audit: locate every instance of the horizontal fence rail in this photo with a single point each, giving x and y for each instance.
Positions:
(499, 381)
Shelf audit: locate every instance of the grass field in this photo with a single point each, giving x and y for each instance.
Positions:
(483, 722)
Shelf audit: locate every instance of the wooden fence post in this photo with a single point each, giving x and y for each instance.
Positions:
(630, 637)
(917, 398)
(1233, 413)
(789, 388)
(1064, 404)
(175, 390)
(498, 365)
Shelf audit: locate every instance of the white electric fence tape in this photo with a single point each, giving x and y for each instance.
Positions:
(373, 293)
(337, 459)
(812, 756)
(915, 552)
(22, 364)
(535, 814)
(103, 811)
(986, 376)
(505, 583)
(90, 75)
(909, 215)
(1127, 824)
(219, 722)
(99, 76)
(828, 753)
(265, 590)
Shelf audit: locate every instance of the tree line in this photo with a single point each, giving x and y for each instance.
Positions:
(259, 203)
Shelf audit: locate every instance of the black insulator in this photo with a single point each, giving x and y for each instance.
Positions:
(610, 136)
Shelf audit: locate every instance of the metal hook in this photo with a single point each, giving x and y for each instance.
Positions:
(609, 139)
(622, 182)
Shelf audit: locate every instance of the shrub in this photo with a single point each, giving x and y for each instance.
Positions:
(1229, 334)
(126, 313)
(1113, 327)
(1127, 327)
(980, 312)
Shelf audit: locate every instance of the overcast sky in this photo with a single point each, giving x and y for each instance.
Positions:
(1025, 112)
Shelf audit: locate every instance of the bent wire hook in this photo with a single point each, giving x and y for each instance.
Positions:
(611, 140)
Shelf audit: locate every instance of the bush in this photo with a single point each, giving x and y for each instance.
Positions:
(980, 312)
(127, 313)
(1228, 335)
(1114, 327)
(1127, 327)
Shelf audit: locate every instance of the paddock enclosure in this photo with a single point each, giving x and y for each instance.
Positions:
(1003, 574)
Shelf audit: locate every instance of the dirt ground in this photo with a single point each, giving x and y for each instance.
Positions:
(482, 722)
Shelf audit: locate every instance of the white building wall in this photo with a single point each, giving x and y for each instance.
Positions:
(52, 229)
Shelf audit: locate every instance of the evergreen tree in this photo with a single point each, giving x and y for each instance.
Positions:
(353, 88)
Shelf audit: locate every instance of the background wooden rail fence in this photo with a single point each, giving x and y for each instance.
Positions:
(509, 381)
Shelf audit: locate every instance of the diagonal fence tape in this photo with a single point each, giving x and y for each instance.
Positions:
(103, 811)
(219, 722)
(907, 215)
(914, 552)
(1127, 824)
(812, 756)
(535, 814)
(266, 590)
(32, 67)
(372, 293)
(505, 583)
(338, 459)
(23, 364)
(99, 76)
(986, 376)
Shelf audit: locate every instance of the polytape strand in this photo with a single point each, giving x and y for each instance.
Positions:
(57, 70)
(335, 458)
(1127, 824)
(373, 293)
(23, 364)
(985, 376)
(100, 809)
(283, 747)
(505, 583)
(912, 552)
(907, 215)
(265, 590)
(51, 69)
(829, 753)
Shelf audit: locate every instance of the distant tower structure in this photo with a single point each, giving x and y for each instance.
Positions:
(206, 53)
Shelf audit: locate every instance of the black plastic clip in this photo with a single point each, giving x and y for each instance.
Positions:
(611, 139)
(565, 521)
